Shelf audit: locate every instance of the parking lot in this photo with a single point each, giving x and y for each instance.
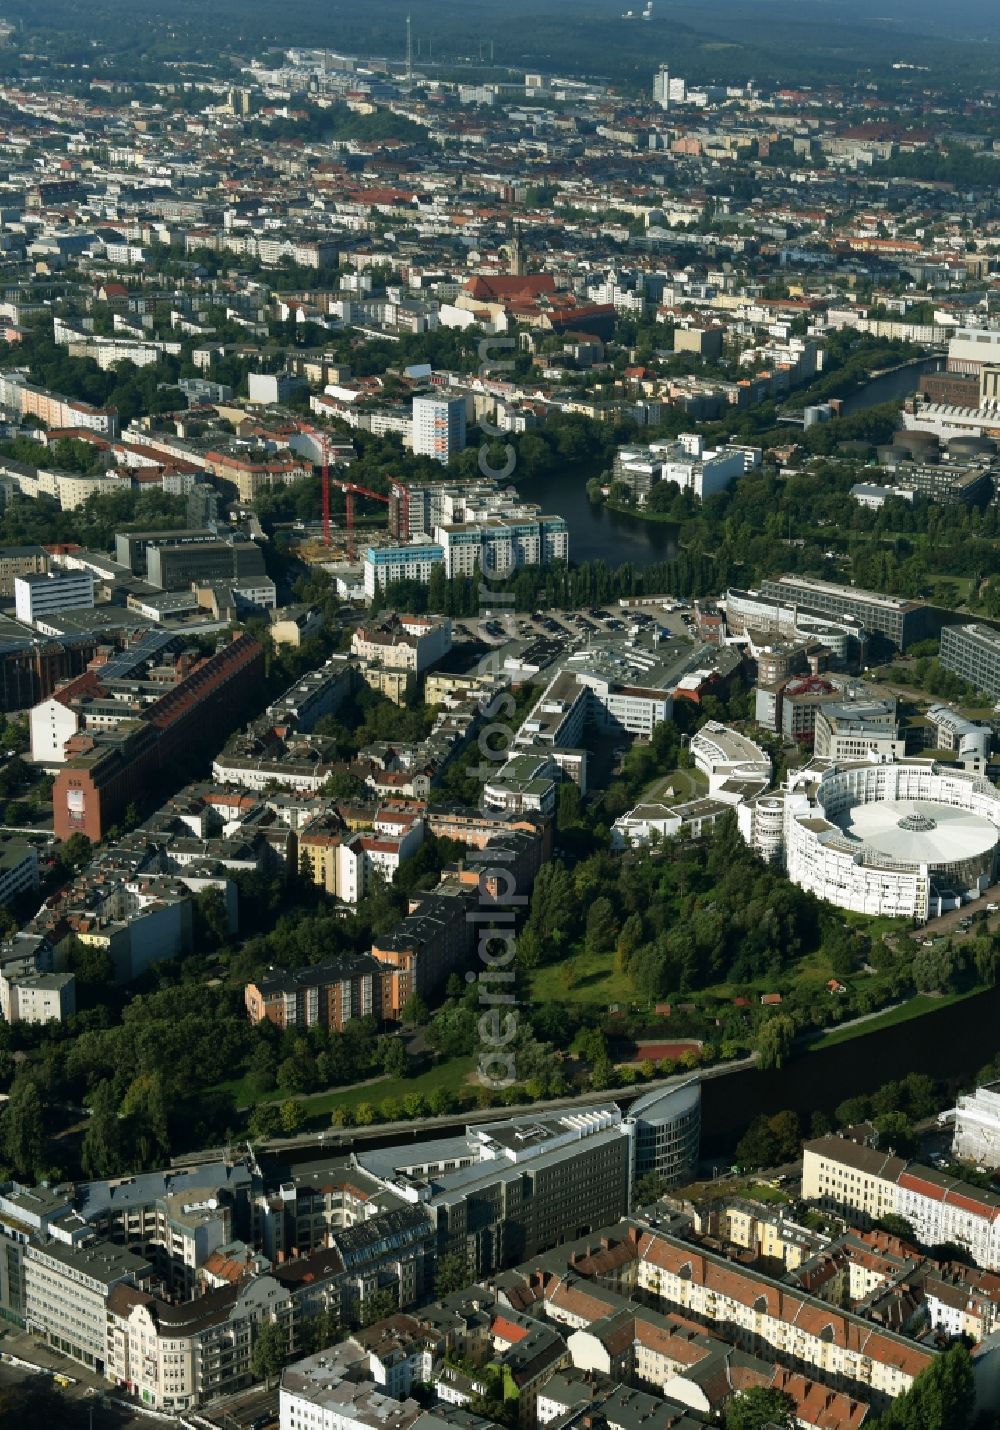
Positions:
(576, 627)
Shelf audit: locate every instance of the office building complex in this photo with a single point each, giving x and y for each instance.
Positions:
(41, 593)
(972, 652)
(763, 618)
(856, 729)
(106, 770)
(685, 462)
(173, 567)
(66, 1290)
(899, 622)
(518, 1187)
(906, 839)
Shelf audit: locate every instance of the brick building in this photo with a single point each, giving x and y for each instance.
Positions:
(104, 774)
(328, 994)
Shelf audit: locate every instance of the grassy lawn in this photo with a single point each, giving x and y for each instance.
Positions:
(734, 1187)
(591, 980)
(685, 784)
(587, 978)
(243, 1090)
(452, 1076)
(916, 1007)
(761, 1192)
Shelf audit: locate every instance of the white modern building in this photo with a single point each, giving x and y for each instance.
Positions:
(400, 563)
(977, 1126)
(661, 87)
(654, 820)
(905, 839)
(685, 461)
(858, 730)
(729, 761)
(954, 731)
(438, 427)
(503, 544)
(42, 592)
(751, 611)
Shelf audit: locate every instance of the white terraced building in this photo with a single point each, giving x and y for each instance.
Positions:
(729, 761)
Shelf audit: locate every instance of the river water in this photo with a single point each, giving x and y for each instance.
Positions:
(950, 1046)
(891, 386)
(597, 534)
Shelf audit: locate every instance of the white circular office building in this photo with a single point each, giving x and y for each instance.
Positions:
(908, 838)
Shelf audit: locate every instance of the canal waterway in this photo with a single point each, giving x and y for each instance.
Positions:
(597, 534)
(950, 1046)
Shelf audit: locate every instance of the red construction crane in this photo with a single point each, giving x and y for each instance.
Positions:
(351, 490)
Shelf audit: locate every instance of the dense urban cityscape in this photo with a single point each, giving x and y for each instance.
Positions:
(500, 717)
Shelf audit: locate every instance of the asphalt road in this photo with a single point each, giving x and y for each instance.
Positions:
(93, 1390)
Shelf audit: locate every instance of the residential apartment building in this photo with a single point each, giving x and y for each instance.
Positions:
(325, 995)
(864, 1184)
(248, 478)
(438, 427)
(410, 643)
(173, 1357)
(771, 1320)
(847, 1176)
(475, 523)
(37, 997)
(386, 564)
(417, 954)
(55, 411)
(504, 543)
(319, 692)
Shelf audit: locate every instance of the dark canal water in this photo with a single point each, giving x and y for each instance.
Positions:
(891, 387)
(951, 1045)
(596, 534)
